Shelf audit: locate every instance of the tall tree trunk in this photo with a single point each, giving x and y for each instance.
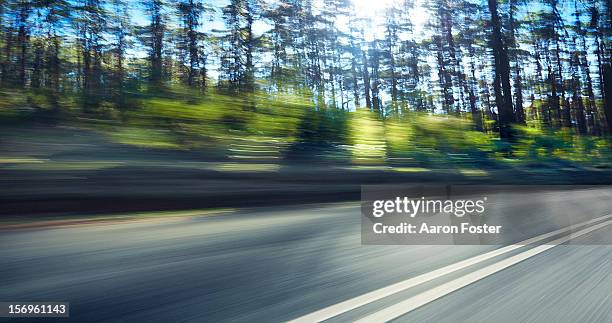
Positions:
(554, 98)
(37, 65)
(391, 40)
(607, 89)
(354, 76)
(6, 65)
(250, 48)
(393, 77)
(605, 69)
(544, 112)
(577, 92)
(501, 84)
(454, 62)
(23, 39)
(366, 80)
(157, 42)
(3, 32)
(518, 81)
(375, 76)
(566, 118)
(444, 77)
(476, 113)
(192, 35)
(592, 114)
(54, 64)
(203, 72)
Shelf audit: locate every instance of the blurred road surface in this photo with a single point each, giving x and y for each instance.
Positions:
(273, 264)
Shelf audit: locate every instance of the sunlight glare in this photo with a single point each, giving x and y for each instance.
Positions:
(370, 8)
(375, 10)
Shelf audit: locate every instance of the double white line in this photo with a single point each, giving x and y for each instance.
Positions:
(421, 299)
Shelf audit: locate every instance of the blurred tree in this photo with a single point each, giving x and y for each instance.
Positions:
(120, 29)
(90, 21)
(189, 43)
(501, 83)
(239, 45)
(153, 37)
(541, 64)
(516, 56)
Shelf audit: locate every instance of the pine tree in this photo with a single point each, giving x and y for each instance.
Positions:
(501, 83)
(190, 13)
(153, 38)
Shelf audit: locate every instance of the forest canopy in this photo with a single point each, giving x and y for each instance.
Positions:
(391, 79)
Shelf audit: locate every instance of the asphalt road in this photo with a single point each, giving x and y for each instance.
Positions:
(268, 265)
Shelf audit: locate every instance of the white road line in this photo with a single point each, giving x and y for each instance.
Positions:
(350, 304)
(421, 299)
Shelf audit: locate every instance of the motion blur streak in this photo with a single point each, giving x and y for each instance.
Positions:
(350, 304)
(419, 300)
(271, 264)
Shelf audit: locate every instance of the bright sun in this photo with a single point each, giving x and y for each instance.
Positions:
(369, 7)
(374, 8)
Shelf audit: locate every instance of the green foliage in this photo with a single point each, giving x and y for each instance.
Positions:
(546, 145)
(274, 127)
(367, 133)
(212, 120)
(425, 139)
(11, 104)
